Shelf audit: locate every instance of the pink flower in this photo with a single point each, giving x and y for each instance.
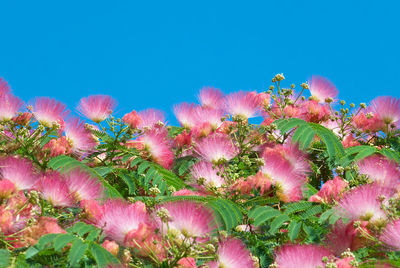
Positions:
(187, 262)
(58, 147)
(256, 182)
(157, 144)
(132, 119)
(331, 190)
(97, 107)
(363, 203)
(243, 104)
(186, 113)
(183, 139)
(350, 141)
(380, 170)
(83, 186)
(45, 225)
(233, 254)
(387, 109)
(321, 89)
(314, 112)
(111, 247)
(80, 137)
(4, 87)
(205, 171)
(49, 111)
(7, 188)
(211, 97)
(9, 106)
(151, 118)
(22, 119)
(288, 180)
(304, 256)
(391, 235)
(188, 219)
(54, 189)
(216, 148)
(367, 122)
(19, 171)
(185, 192)
(121, 218)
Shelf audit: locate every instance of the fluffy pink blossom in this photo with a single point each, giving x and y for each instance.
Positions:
(54, 188)
(208, 115)
(331, 190)
(49, 111)
(186, 192)
(183, 139)
(321, 89)
(83, 186)
(9, 106)
(362, 203)
(205, 171)
(97, 107)
(121, 218)
(157, 144)
(387, 109)
(187, 262)
(258, 181)
(56, 147)
(391, 235)
(188, 219)
(367, 122)
(289, 182)
(380, 170)
(233, 254)
(22, 119)
(304, 256)
(132, 119)
(111, 246)
(7, 188)
(4, 87)
(211, 97)
(350, 141)
(19, 171)
(243, 104)
(343, 236)
(216, 148)
(314, 112)
(80, 137)
(186, 113)
(151, 118)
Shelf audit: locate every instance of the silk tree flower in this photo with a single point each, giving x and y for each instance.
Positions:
(9, 106)
(97, 107)
(321, 89)
(7, 188)
(292, 153)
(19, 171)
(391, 235)
(233, 254)
(187, 219)
(121, 220)
(186, 114)
(82, 185)
(54, 188)
(44, 225)
(211, 97)
(259, 182)
(380, 170)
(314, 112)
(80, 137)
(59, 146)
(289, 182)
(330, 191)
(205, 173)
(132, 119)
(242, 104)
(151, 118)
(387, 109)
(363, 203)
(368, 122)
(4, 87)
(216, 148)
(304, 256)
(156, 143)
(208, 115)
(343, 236)
(49, 111)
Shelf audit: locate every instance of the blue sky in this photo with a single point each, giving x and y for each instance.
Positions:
(157, 53)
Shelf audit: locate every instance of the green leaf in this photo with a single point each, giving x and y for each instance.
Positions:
(297, 207)
(333, 145)
(81, 228)
(129, 180)
(356, 153)
(278, 222)
(5, 258)
(142, 167)
(294, 229)
(77, 251)
(393, 155)
(311, 212)
(262, 214)
(284, 125)
(62, 240)
(102, 257)
(227, 211)
(303, 135)
(44, 241)
(324, 216)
